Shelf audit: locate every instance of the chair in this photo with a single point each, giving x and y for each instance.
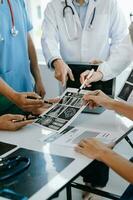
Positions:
(90, 190)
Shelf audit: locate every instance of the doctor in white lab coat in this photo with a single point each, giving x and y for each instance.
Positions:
(91, 32)
(122, 57)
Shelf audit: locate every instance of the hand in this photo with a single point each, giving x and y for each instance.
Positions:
(62, 71)
(97, 76)
(40, 89)
(27, 104)
(9, 122)
(46, 106)
(96, 62)
(98, 98)
(92, 148)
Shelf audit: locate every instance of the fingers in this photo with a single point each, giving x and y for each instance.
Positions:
(79, 148)
(54, 100)
(29, 102)
(64, 79)
(93, 78)
(42, 93)
(91, 101)
(83, 76)
(88, 97)
(95, 62)
(91, 93)
(70, 74)
(62, 72)
(96, 76)
(11, 117)
(61, 77)
(19, 125)
(33, 94)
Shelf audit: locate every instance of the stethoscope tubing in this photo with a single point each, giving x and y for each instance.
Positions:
(11, 13)
(14, 161)
(68, 6)
(13, 31)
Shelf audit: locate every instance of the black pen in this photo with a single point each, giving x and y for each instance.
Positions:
(45, 101)
(32, 97)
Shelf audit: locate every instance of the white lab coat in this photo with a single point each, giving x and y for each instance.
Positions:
(109, 29)
(122, 57)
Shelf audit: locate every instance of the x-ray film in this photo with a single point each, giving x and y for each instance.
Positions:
(126, 93)
(61, 114)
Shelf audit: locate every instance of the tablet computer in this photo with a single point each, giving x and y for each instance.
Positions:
(108, 87)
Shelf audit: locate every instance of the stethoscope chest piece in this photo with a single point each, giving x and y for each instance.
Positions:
(1, 38)
(14, 31)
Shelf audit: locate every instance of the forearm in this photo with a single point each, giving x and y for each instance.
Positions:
(122, 108)
(119, 59)
(33, 60)
(119, 164)
(50, 35)
(6, 90)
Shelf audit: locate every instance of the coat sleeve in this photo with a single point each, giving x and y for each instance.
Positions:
(117, 32)
(50, 35)
(122, 57)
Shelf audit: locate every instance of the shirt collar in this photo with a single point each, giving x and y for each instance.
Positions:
(75, 2)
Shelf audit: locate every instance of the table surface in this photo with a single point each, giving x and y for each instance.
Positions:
(29, 137)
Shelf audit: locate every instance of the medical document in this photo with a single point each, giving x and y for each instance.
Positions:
(71, 136)
(61, 114)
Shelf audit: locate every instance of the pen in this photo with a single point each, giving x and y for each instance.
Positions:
(32, 97)
(26, 118)
(89, 76)
(45, 101)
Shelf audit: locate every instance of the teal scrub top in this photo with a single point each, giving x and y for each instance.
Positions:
(14, 60)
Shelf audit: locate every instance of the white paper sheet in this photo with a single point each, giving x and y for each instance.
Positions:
(75, 135)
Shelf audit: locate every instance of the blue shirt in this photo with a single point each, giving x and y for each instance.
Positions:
(14, 60)
(81, 10)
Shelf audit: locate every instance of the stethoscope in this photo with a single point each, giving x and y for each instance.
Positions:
(14, 31)
(10, 167)
(73, 14)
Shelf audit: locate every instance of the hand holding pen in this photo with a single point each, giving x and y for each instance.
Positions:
(86, 80)
(46, 101)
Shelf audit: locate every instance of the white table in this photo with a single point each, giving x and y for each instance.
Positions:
(29, 137)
